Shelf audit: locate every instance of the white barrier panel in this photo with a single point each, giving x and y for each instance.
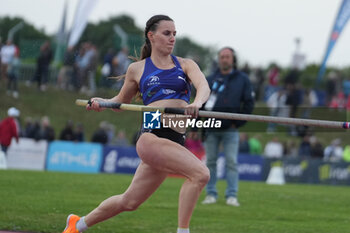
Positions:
(3, 163)
(27, 154)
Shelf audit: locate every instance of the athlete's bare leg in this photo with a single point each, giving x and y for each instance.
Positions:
(146, 180)
(171, 157)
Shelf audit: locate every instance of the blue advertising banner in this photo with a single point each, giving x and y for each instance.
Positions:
(341, 20)
(250, 167)
(120, 160)
(125, 160)
(74, 157)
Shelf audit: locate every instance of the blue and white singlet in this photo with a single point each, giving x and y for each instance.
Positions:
(157, 84)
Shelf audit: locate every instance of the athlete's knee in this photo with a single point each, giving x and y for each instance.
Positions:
(206, 175)
(202, 177)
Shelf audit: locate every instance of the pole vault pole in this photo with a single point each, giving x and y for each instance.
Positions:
(224, 115)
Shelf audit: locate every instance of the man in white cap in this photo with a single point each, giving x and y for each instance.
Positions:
(9, 128)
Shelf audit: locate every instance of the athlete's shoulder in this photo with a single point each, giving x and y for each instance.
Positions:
(186, 63)
(136, 66)
(135, 69)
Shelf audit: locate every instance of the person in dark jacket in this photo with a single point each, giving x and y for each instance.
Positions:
(231, 91)
(42, 65)
(67, 134)
(100, 135)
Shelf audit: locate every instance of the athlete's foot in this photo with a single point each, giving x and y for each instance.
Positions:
(71, 224)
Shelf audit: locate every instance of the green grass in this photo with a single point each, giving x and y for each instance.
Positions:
(41, 201)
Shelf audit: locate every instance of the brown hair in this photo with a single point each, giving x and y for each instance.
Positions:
(151, 25)
(146, 49)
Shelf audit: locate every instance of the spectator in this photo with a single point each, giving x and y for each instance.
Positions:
(46, 130)
(79, 133)
(13, 74)
(194, 144)
(246, 69)
(346, 87)
(9, 128)
(35, 133)
(28, 127)
(67, 134)
(333, 152)
(293, 101)
(32, 128)
(91, 69)
(106, 70)
(346, 154)
(110, 130)
(274, 149)
(256, 78)
(277, 104)
(316, 148)
(80, 66)
(231, 92)
(65, 76)
(309, 101)
(331, 86)
(255, 147)
(254, 82)
(290, 149)
(86, 63)
(42, 65)
(120, 64)
(273, 75)
(121, 139)
(260, 86)
(100, 135)
(7, 53)
(305, 147)
(243, 143)
(292, 77)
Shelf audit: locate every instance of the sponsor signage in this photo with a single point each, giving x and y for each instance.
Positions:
(120, 160)
(312, 171)
(250, 167)
(74, 157)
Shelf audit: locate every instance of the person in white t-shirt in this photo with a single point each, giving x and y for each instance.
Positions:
(7, 53)
(273, 149)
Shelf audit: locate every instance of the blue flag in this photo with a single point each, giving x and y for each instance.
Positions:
(339, 24)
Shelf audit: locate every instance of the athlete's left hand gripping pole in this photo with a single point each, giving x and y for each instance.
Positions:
(102, 104)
